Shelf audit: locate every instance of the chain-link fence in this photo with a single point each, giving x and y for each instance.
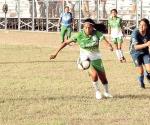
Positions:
(43, 15)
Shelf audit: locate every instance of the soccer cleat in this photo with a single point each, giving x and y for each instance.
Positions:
(107, 95)
(148, 78)
(123, 60)
(142, 86)
(98, 95)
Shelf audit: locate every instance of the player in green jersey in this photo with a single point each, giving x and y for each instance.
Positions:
(116, 31)
(88, 40)
(66, 22)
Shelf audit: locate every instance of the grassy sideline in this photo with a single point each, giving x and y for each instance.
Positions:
(36, 91)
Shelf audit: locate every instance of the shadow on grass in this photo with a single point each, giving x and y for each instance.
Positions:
(46, 61)
(58, 98)
(142, 96)
(28, 62)
(71, 98)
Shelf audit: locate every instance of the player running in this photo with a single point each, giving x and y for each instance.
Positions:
(139, 50)
(116, 31)
(88, 40)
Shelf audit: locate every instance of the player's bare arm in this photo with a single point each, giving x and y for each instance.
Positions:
(138, 47)
(53, 56)
(108, 44)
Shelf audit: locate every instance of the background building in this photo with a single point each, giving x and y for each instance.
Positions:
(43, 14)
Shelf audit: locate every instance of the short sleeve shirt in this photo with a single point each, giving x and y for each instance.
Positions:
(66, 19)
(115, 25)
(137, 39)
(88, 43)
(114, 22)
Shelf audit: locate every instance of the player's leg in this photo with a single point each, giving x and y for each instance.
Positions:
(69, 30)
(120, 42)
(146, 59)
(138, 61)
(140, 71)
(102, 77)
(98, 66)
(94, 77)
(114, 40)
(63, 32)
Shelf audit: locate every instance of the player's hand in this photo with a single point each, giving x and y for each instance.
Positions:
(148, 43)
(111, 48)
(52, 56)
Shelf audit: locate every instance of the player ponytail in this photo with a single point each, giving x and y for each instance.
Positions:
(101, 27)
(98, 26)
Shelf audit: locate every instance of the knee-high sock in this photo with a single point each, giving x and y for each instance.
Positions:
(95, 85)
(118, 54)
(141, 79)
(106, 88)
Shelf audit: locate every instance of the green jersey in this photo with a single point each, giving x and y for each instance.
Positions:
(89, 43)
(89, 48)
(134, 1)
(114, 22)
(116, 26)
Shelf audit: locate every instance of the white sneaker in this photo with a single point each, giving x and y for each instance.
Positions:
(107, 95)
(98, 95)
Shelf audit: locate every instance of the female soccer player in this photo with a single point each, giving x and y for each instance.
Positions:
(116, 31)
(88, 40)
(66, 22)
(139, 50)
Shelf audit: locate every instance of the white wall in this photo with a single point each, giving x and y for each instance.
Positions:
(12, 8)
(123, 6)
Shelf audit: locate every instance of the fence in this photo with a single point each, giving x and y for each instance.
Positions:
(43, 15)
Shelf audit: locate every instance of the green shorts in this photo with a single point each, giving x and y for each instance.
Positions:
(98, 65)
(117, 40)
(65, 31)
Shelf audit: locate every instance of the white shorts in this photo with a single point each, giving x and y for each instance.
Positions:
(84, 55)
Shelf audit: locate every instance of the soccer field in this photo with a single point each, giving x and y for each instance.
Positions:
(36, 91)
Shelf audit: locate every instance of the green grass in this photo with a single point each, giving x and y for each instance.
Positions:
(36, 91)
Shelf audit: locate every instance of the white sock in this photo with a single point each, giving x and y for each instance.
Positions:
(118, 54)
(95, 85)
(106, 88)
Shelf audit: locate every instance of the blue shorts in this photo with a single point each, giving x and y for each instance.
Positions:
(141, 59)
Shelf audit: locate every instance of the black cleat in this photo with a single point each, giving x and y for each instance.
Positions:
(142, 86)
(123, 59)
(148, 78)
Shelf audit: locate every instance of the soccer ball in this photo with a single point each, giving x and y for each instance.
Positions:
(84, 64)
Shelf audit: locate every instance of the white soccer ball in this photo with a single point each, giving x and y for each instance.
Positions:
(84, 64)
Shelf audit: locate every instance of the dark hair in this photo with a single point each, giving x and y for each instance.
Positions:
(147, 23)
(114, 10)
(66, 7)
(98, 26)
(89, 20)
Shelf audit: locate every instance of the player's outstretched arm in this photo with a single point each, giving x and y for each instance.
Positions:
(53, 56)
(142, 46)
(108, 44)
